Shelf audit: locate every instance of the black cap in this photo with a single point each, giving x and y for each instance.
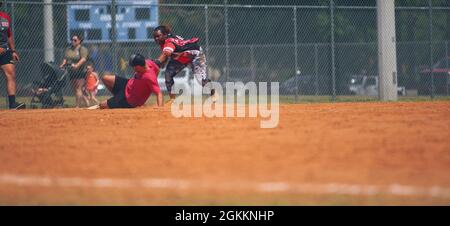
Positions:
(137, 60)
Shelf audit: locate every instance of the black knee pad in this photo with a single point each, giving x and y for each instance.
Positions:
(172, 69)
(169, 85)
(169, 81)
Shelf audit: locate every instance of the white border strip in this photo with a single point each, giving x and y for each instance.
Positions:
(275, 187)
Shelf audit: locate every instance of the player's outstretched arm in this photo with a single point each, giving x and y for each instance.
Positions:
(159, 99)
(162, 58)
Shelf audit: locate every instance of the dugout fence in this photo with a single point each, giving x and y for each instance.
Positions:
(289, 44)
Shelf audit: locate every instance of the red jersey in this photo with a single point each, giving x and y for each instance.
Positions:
(142, 85)
(5, 29)
(181, 50)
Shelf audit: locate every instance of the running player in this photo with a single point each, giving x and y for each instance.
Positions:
(182, 53)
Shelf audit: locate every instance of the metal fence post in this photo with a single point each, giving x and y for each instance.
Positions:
(114, 36)
(206, 32)
(252, 62)
(227, 46)
(316, 69)
(333, 63)
(446, 63)
(49, 48)
(13, 18)
(430, 5)
(297, 70)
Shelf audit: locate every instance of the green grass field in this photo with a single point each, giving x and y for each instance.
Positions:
(70, 100)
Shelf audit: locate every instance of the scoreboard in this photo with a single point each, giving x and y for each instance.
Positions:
(135, 20)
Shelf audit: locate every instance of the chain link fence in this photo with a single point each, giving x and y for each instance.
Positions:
(290, 44)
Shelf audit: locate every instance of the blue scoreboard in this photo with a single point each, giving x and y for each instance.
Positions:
(135, 20)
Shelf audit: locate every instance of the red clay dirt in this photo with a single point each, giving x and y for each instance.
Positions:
(226, 160)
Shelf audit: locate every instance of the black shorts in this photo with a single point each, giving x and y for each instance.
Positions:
(6, 58)
(119, 100)
(174, 67)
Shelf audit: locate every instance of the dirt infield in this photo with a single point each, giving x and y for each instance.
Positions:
(320, 154)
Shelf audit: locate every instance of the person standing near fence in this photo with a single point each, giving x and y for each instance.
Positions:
(92, 82)
(182, 53)
(76, 57)
(8, 57)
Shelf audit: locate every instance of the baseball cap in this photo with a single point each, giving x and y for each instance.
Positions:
(137, 60)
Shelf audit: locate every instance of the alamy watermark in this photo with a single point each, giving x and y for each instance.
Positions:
(235, 102)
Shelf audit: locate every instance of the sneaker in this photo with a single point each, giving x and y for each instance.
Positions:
(170, 101)
(95, 107)
(18, 106)
(214, 96)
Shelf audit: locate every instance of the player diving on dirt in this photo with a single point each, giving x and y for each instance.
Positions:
(134, 92)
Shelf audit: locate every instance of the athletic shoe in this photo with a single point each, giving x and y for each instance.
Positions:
(170, 101)
(214, 97)
(95, 107)
(18, 106)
